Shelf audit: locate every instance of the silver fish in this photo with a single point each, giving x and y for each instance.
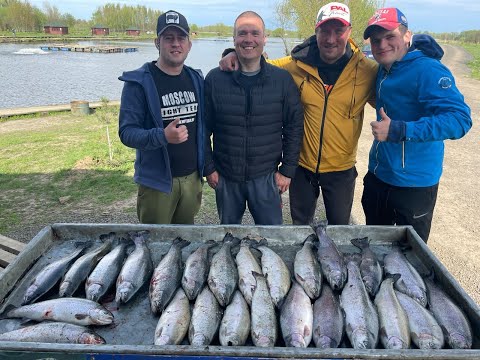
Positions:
(307, 269)
(223, 275)
(424, 329)
(82, 267)
(361, 318)
(196, 270)
(136, 270)
(50, 275)
(296, 318)
(410, 282)
(174, 321)
(264, 328)
(54, 332)
(328, 322)
(372, 272)
(246, 264)
(394, 330)
(331, 259)
(277, 274)
(235, 324)
(206, 317)
(454, 323)
(71, 310)
(104, 275)
(167, 276)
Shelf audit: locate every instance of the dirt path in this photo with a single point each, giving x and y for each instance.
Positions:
(455, 230)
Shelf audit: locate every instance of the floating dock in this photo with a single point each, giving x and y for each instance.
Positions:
(89, 48)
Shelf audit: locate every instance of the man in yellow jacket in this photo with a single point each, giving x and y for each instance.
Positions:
(335, 81)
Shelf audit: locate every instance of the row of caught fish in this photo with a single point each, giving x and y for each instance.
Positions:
(225, 273)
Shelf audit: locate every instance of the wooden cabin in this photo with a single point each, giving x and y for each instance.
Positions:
(55, 29)
(132, 32)
(100, 30)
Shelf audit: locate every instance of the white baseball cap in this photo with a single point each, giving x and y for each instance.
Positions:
(333, 11)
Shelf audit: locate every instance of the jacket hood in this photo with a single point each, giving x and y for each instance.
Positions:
(308, 53)
(427, 45)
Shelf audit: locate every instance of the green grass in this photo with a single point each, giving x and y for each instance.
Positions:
(65, 156)
(474, 64)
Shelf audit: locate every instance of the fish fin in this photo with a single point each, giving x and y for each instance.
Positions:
(395, 277)
(180, 242)
(313, 238)
(361, 243)
(107, 237)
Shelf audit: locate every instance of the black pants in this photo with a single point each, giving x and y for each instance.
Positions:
(385, 204)
(337, 192)
(261, 194)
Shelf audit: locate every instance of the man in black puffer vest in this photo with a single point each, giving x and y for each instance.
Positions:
(256, 118)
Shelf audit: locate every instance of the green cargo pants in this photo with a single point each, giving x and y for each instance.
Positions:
(178, 207)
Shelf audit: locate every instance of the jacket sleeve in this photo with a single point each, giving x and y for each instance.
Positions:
(281, 62)
(209, 124)
(134, 111)
(292, 133)
(447, 116)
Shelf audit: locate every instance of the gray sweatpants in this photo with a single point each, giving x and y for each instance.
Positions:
(260, 194)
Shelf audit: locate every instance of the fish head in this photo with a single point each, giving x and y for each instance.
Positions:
(93, 292)
(264, 341)
(91, 338)
(30, 294)
(326, 342)
(163, 340)
(199, 340)
(336, 279)
(427, 341)
(232, 340)
(295, 340)
(420, 296)
(395, 343)
(360, 339)
(64, 288)
(124, 292)
(459, 341)
(101, 316)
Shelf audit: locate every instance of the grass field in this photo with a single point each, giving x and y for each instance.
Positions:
(474, 64)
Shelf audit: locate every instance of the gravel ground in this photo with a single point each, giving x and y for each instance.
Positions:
(455, 230)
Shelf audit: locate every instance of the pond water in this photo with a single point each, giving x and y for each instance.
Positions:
(30, 76)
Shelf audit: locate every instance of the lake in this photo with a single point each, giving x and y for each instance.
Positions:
(30, 78)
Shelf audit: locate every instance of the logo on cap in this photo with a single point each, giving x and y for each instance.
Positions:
(172, 18)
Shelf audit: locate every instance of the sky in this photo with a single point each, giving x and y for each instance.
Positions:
(430, 15)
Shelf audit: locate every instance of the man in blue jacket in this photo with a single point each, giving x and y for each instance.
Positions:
(161, 116)
(418, 106)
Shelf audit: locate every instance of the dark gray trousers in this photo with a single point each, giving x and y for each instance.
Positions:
(260, 194)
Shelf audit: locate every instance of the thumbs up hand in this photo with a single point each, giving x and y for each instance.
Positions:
(175, 133)
(380, 127)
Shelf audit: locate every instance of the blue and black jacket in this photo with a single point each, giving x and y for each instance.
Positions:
(419, 95)
(141, 127)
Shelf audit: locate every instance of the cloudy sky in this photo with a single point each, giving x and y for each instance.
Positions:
(432, 15)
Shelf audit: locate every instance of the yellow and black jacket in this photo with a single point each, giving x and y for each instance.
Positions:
(334, 113)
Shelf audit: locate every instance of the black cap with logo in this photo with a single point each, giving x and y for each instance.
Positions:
(172, 18)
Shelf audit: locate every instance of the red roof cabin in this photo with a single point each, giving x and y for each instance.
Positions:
(55, 29)
(100, 30)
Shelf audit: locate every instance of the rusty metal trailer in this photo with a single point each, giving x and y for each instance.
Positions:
(131, 337)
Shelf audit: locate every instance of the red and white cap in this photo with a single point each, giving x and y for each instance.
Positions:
(387, 18)
(333, 11)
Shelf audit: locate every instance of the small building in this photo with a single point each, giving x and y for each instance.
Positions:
(55, 29)
(132, 32)
(100, 30)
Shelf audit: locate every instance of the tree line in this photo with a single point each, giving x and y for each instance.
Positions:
(295, 19)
